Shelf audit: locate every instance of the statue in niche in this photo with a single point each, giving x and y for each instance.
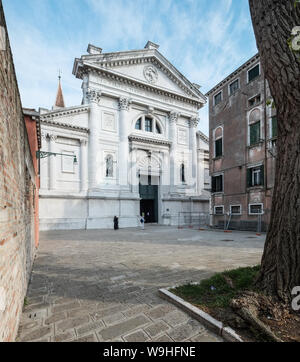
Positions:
(109, 166)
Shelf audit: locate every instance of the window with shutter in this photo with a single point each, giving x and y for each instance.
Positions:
(254, 133)
(219, 147)
(213, 184)
(218, 98)
(217, 183)
(262, 175)
(234, 86)
(274, 127)
(253, 73)
(219, 210)
(249, 177)
(255, 209)
(255, 176)
(235, 209)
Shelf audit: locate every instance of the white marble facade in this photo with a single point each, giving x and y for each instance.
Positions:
(137, 122)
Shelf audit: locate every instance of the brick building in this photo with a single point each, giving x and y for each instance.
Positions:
(18, 194)
(243, 130)
(33, 127)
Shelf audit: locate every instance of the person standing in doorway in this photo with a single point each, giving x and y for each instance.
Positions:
(148, 216)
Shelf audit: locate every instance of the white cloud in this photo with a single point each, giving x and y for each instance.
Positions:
(205, 40)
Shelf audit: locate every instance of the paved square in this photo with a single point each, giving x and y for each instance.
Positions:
(101, 285)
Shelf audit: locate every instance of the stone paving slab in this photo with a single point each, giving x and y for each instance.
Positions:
(103, 285)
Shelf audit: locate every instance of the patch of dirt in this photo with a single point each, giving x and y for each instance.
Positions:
(272, 315)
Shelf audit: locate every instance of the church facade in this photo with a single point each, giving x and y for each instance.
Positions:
(134, 141)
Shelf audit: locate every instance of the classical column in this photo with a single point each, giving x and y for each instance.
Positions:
(83, 165)
(173, 118)
(165, 172)
(193, 147)
(52, 161)
(124, 144)
(133, 169)
(94, 97)
(85, 88)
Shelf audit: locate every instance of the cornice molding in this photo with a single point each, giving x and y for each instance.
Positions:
(111, 60)
(108, 73)
(144, 139)
(63, 112)
(249, 62)
(203, 137)
(64, 125)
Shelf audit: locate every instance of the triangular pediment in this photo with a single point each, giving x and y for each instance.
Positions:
(150, 73)
(146, 66)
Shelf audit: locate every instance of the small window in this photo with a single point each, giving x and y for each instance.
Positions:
(254, 101)
(219, 147)
(255, 176)
(138, 124)
(148, 124)
(218, 98)
(253, 73)
(157, 128)
(255, 209)
(218, 142)
(217, 183)
(235, 209)
(109, 166)
(219, 210)
(234, 86)
(182, 173)
(274, 127)
(255, 133)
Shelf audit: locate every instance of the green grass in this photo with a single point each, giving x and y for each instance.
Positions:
(202, 294)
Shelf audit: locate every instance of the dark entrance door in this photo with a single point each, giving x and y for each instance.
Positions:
(149, 202)
(148, 208)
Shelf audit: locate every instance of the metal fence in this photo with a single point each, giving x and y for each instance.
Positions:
(244, 221)
(193, 220)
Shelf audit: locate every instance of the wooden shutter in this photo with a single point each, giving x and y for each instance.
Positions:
(262, 175)
(213, 184)
(219, 147)
(249, 177)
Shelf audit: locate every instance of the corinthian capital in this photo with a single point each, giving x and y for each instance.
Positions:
(124, 104)
(93, 95)
(173, 117)
(53, 137)
(194, 122)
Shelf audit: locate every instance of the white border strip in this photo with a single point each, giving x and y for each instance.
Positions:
(208, 321)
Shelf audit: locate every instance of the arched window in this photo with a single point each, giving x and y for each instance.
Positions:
(148, 124)
(138, 124)
(182, 173)
(157, 128)
(218, 142)
(109, 162)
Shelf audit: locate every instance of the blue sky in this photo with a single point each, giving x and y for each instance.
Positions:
(205, 39)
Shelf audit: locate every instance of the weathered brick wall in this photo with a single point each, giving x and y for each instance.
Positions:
(17, 178)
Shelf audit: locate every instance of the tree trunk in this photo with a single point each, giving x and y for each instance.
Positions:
(273, 21)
